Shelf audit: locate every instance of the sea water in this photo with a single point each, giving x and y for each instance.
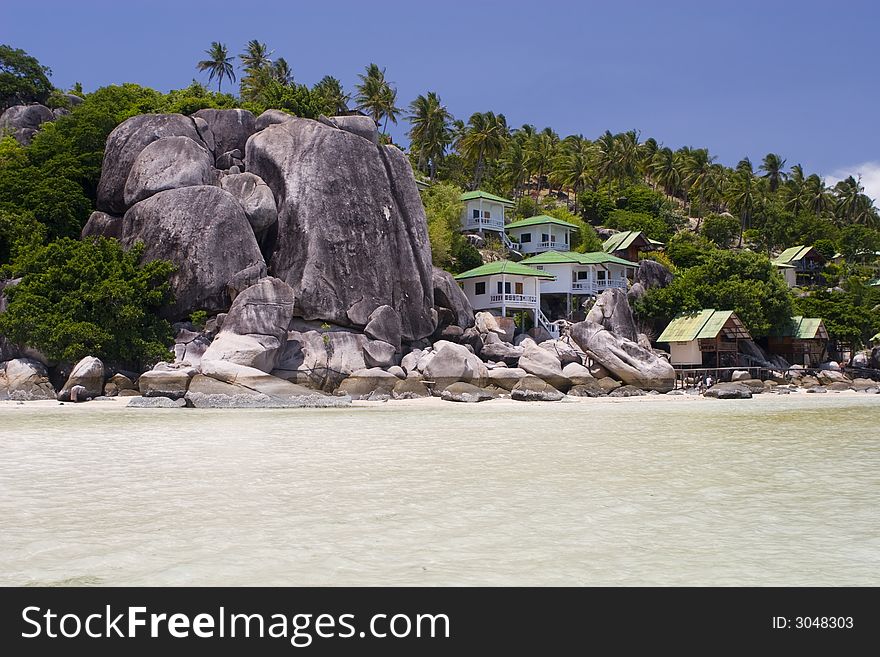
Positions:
(768, 491)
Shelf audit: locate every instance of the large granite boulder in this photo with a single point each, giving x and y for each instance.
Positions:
(451, 362)
(101, 224)
(88, 373)
(166, 380)
(506, 377)
(202, 230)
(255, 197)
(410, 388)
(168, 163)
(545, 365)
(625, 359)
(531, 388)
(321, 358)
(503, 327)
(352, 234)
(25, 379)
(875, 358)
(448, 294)
(229, 127)
(384, 324)
(729, 391)
(23, 121)
(251, 379)
(612, 312)
(466, 393)
(372, 383)
(363, 126)
(578, 375)
(124, 145)
(496, 350)
(271, 117)
(254, 331)
(651, 274)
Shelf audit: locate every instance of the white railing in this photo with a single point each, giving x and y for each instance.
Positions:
(548, 245)
(528, 299)
(584, 287)
(481, 223)
(547, 325)
(615, 282)
(509, 243)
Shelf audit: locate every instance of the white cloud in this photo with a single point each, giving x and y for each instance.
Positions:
(870, 175)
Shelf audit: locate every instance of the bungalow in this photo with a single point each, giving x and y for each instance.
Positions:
(806, 260)
(483, 212)
(541, 233)
(694, 337)
(576, 275)
(628, 243)
(802, 341)
(503, 286)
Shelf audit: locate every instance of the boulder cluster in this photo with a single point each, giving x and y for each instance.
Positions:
(23, 121)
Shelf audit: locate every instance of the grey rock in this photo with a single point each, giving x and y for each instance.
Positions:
(271, 117)
(627, 391)
(448, 294)
(384, 324)
(565, 350)
(241, 280)
(78, 394)
(259, 400)
(471, 337)
(728, 391)
(817, 390)
(411, 388)
(545, 365)
(156, 402)
(204, 131)
(578, 375)
(255, 329)
(202, 230)
(587, 390)
(25, 379)
(608, 384)
(362, 126)
(87, 373)
(827, 377)
(740, 375)
(409, 361)
(506, 377)
(397, 371)
(496, 350)
(452, 333)
(252, 380)
(124, 145)
(625, 359)
(321, 359)
(451, 363)
(875, 357)
(23, 121)
(255, 197)
(230, 128)
(379, 354)
(539, 334)
(612, 312)
(367, 383)
(371, 250)
(503, 327)
(101, 224)
(861, 359)
(168, 163)
(531, 388)
(465, 392)
(165, 383)
(651, 274)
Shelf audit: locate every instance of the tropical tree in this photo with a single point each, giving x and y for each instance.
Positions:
(331, 92)
(281, 71)
(540, 154)
(795, 188)
(742, 193)
(483, 138)
(852, 206)
(698, 174)
(256, 56)
(816, 197)
(772, 166)
(376, 96)
(22, 78)
(218, 65)
(575, 167)
(430, 132)
(665, 169)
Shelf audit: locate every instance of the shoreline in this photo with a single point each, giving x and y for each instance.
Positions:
(121, 403)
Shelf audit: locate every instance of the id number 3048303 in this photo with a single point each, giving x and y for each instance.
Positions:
(813, 623)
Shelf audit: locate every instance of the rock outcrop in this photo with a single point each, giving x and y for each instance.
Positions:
(23, 121)
(320, 358)
(447, 294)
(352, 234)
(531, 388)
(124, 145)
(230, 128)
(254, 331)
(255, 197)
(625, 359)
(450, 363)
(168, 163)
(204, 231)
(88, 373)
(612, 312)
(465, 392)
(101, 224)
(25, 379)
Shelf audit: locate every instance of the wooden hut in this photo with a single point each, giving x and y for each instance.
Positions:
(803, 341)
(708, 338)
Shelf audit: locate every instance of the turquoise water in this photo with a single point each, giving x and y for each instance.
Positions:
(769, 491)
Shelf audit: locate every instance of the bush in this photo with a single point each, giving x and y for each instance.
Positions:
(642, 199)
(20, 233)
(90, 298)
(688, 249)
(654, 228)
(22, 78)
(595, 207)
(721, 229)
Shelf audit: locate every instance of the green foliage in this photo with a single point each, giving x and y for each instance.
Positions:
(296, 99)
(722, 229)
(859, 243)
(827, 248)
(443, 210)
(725, 280)
(848, 315)
(688, 249)
(465, 256)
(195, 97)
(89, 298)
(653, 227)
(642, 199)
(595, 207)
(19, 233)
(22, 78)
(198, 318)
(586, 239)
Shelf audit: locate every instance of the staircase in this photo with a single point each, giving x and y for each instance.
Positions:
(551, 327)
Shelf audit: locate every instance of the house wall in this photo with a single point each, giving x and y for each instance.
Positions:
(685, 353)
(790, 275)
(496, 211)
(484, 301)
(536, 233)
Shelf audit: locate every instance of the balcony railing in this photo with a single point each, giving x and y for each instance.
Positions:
(527, 299)
(481, 223)
(615, 282)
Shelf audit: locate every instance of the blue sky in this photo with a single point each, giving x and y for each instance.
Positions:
(741, 78)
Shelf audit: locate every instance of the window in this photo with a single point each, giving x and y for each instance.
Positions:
(480, 288)
(506, 288)
(525, 237)
(540, 267)
(487, 214)
(601, 274)
(518, 288)
(476, 214)
(583, 275)
(545, 237)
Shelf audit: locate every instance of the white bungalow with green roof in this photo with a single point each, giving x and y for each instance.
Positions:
(586, 274)
(483, 212)
(707, 338)
(504, 287)
(541, 233)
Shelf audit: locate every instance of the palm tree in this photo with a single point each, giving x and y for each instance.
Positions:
(513, 165)
(816, 198)
(794, 188)
(772, 167)
(540, 153)
(606, 157)
(218, 64)
(282, 72)
(742, 193)
(665, 169)
(484, 138)
(431, 130)
(575, 166)
(372, 94)
(697, 169)
(628, 152)
(334, 96)
(389, 105)
(852, 206)
(255, 56)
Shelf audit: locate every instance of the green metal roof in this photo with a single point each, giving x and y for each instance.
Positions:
(566, 257)
(502, 267)
(538, 220)
(469, 196)
(624, 239)
(793, 254)
(705, 324)
(804, 328)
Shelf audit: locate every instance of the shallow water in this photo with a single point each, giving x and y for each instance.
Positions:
(769, 491)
